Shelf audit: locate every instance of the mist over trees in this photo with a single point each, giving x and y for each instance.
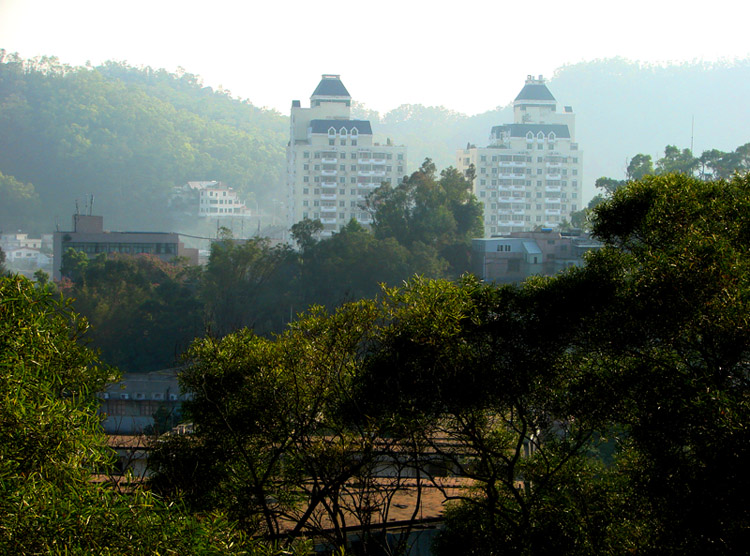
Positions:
(125, 136)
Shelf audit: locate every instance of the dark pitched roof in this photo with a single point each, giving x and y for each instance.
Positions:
(535, 91)
(322, 126)
(331, 86)
(520, 130)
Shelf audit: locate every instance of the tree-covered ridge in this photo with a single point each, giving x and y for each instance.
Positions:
(127, 136)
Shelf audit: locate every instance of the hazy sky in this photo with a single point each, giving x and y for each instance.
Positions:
(467, 56)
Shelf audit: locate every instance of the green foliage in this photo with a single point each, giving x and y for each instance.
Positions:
(51, 443)
(244, 284)
(135, 301)
(441, 214)
(126, 136)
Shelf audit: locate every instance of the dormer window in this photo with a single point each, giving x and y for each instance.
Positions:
(331, 132)
(354, 132)
(551, 136)
(343, 132)
(529, 136)
(540, 136)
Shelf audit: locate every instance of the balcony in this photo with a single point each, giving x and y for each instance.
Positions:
(327, 220)
(553, 188)
(329, 172)
(327, 209)
(328, 196)
(369, 185)
(330, 160)
(510, 188)
(552, 212)
(378, 161)
(328, 184)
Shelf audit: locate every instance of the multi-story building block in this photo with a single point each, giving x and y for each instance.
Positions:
(332, 161)
(529, 177)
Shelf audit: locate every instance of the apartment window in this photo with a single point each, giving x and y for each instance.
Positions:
(305, 203)
(317, 179)
(342, 179)
(317, 167)
(353, 203)
(539, 207)
(389, 168)
(306, 179)
(352, 180)
(353, 191)
(400, 169)
(540, 159)
(331, 142)
(306, 166)
(353, 167)
(401, 157)
(575, 160)
(306, 154)
(316, 191)
(316, 203)
(482, 182)
(342, 203)
(482, 193)
(529, 145)
(538, 171)
(575, 172)
(539, 183)
(483, 158)
(354, 142)
(342, 167)
(538, 218)
(343, 142)
(540, 146)
(342, 191)
(305, 191)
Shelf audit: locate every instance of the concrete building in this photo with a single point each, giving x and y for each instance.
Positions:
(522, 254)
(333, 162)
(529, 176)
(128, 407)
(88, 236)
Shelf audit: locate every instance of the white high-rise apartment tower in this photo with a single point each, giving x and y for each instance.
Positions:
(530, 174)
(332, 161)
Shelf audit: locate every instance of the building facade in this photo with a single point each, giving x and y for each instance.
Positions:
(522, 254)
(530, 175)
(89, 237)
(333, 162)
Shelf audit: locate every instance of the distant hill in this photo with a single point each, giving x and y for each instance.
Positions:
(623, 108)
(126, 136)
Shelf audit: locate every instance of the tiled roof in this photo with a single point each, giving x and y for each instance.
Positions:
(331, 86)
(535, 91)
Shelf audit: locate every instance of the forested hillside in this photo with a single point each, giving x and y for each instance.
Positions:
(125, 136)
(622, 108)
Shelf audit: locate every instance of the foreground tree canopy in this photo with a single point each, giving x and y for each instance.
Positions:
(52, 444)
(603, 411)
